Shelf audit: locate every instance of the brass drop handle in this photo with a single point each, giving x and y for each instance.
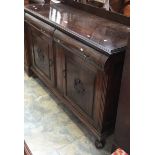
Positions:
(84, 55)
(43, 30)
(58, 41)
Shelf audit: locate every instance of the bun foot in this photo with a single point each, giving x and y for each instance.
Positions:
(99, 144)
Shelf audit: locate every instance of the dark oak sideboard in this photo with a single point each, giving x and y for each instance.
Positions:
(80, 62)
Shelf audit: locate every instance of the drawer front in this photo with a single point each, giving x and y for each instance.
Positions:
(88, 54)
(39, 25)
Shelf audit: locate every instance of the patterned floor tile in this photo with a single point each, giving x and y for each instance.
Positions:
(82, 146)
(50, 128)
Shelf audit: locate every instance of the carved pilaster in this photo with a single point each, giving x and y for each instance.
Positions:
(103, 99)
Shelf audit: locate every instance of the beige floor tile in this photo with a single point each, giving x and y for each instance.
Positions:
(50, 128)
(82, 146)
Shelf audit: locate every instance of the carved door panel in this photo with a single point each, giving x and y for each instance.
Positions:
(42, 53)
(77, 82)
(80, 84)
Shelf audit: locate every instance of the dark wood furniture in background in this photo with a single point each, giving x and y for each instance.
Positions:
(120, 6)
(117, 12)
(116, 6)
(79, 57)
(26, 149)
(122, 129)
(26, 2)
(36, 1)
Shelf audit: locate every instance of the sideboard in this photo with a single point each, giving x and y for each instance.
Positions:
(79, 57)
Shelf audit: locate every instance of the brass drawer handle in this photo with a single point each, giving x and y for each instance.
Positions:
(58, 41)
(81, 49)
(42, 30)
(85, 56)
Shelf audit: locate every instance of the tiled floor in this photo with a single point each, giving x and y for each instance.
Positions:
(50, 129)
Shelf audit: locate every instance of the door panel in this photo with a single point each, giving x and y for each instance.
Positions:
(42, 54)
(78, 82)
(80, 85)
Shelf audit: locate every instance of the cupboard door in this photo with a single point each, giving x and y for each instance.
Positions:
(42, 53)
(80, 84)
(76, 81)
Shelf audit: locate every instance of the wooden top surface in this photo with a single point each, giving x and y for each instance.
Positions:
(104, 34)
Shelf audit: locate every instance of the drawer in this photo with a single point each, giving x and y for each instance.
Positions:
(39, 25)
(88, 54)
